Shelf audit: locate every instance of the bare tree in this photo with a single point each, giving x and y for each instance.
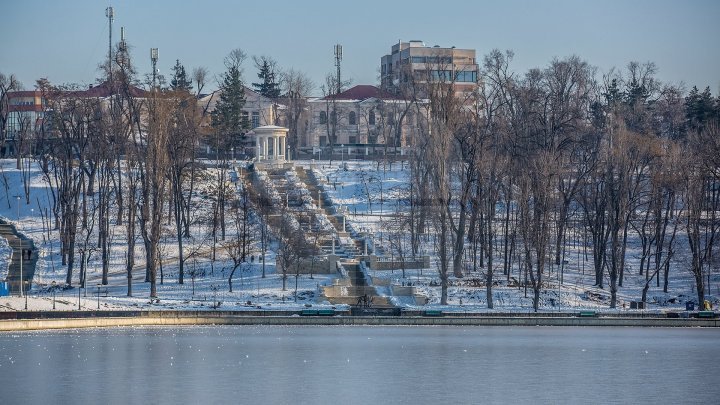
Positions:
(296, 87)
(238, 247)
(702, 200)
(7, 84)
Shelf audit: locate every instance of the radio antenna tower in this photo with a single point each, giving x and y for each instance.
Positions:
(338, 59)
(154, 59)
(110, 14)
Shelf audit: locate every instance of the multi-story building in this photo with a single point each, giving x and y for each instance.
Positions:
(26, 110)
(415, 63)
(361, 115)
(260, 111)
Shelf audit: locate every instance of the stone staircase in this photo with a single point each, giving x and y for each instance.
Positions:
(354, 289)
(323, 201)
(21, 246)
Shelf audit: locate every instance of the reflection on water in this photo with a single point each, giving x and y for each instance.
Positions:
(360, 365)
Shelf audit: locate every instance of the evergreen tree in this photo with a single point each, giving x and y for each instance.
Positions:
(700, 108)
(636, 93)
(706, 106)
(691, 101)
(180, 81)
(228, 116)
(613, 94)
(269, 86)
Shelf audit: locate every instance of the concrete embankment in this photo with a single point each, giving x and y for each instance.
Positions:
(172, 318)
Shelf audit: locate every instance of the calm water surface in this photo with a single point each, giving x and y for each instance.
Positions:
(361, 365)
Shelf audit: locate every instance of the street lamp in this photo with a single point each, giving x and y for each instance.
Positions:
(232, 151)
(53, 290)
(22, 251)
(365, 241)
(98, 293)
(342, 156)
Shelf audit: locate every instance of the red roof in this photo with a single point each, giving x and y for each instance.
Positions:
(23, 93)
(362, 92)
(104, 90)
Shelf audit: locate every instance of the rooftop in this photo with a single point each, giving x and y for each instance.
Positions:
(361, 92)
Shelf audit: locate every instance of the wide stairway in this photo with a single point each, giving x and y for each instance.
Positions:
(355, 290)
(298, 192)
(348, 248)
(22, 261)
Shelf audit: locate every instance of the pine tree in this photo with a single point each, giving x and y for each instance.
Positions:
(228, 116)
(636, 93)
(700, 108)
(180, 81)
(613, 94)
(706, 105)
(269, 86)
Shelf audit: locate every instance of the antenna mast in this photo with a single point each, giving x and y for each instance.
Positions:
(154, 59)
(110, 14)
(338, 59)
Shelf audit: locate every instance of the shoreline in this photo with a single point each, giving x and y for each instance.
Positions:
(29, 321)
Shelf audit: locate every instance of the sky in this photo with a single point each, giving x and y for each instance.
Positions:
(65, 41)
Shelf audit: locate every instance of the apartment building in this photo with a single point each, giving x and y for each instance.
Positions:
(416, 63)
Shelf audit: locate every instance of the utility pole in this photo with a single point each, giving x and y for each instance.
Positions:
(338, 59)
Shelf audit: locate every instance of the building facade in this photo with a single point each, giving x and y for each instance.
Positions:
(415, 63)
(25, 114)
(361, 115)
(259, 110)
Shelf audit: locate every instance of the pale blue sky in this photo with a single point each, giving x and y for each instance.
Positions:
(65, 40)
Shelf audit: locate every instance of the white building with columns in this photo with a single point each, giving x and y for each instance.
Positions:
(270, 144)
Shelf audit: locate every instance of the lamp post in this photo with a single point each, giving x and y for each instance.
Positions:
(342, 155)
(365, 237)
(22, 251)
(98, 294)
(232, 151)
(53, 290)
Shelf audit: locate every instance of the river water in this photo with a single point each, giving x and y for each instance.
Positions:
(361, 365)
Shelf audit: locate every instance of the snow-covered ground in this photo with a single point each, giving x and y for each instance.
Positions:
(204, 291)
(369, 193)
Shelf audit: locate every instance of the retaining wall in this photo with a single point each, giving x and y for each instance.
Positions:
(169, 318)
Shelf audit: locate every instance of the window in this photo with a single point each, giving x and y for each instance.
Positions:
(371, 118)
(351, 118)
(255, 119)
(469, 77)
(419, 59)
(352, 140)
(440, 75)
(323, 117)
(323, 140)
